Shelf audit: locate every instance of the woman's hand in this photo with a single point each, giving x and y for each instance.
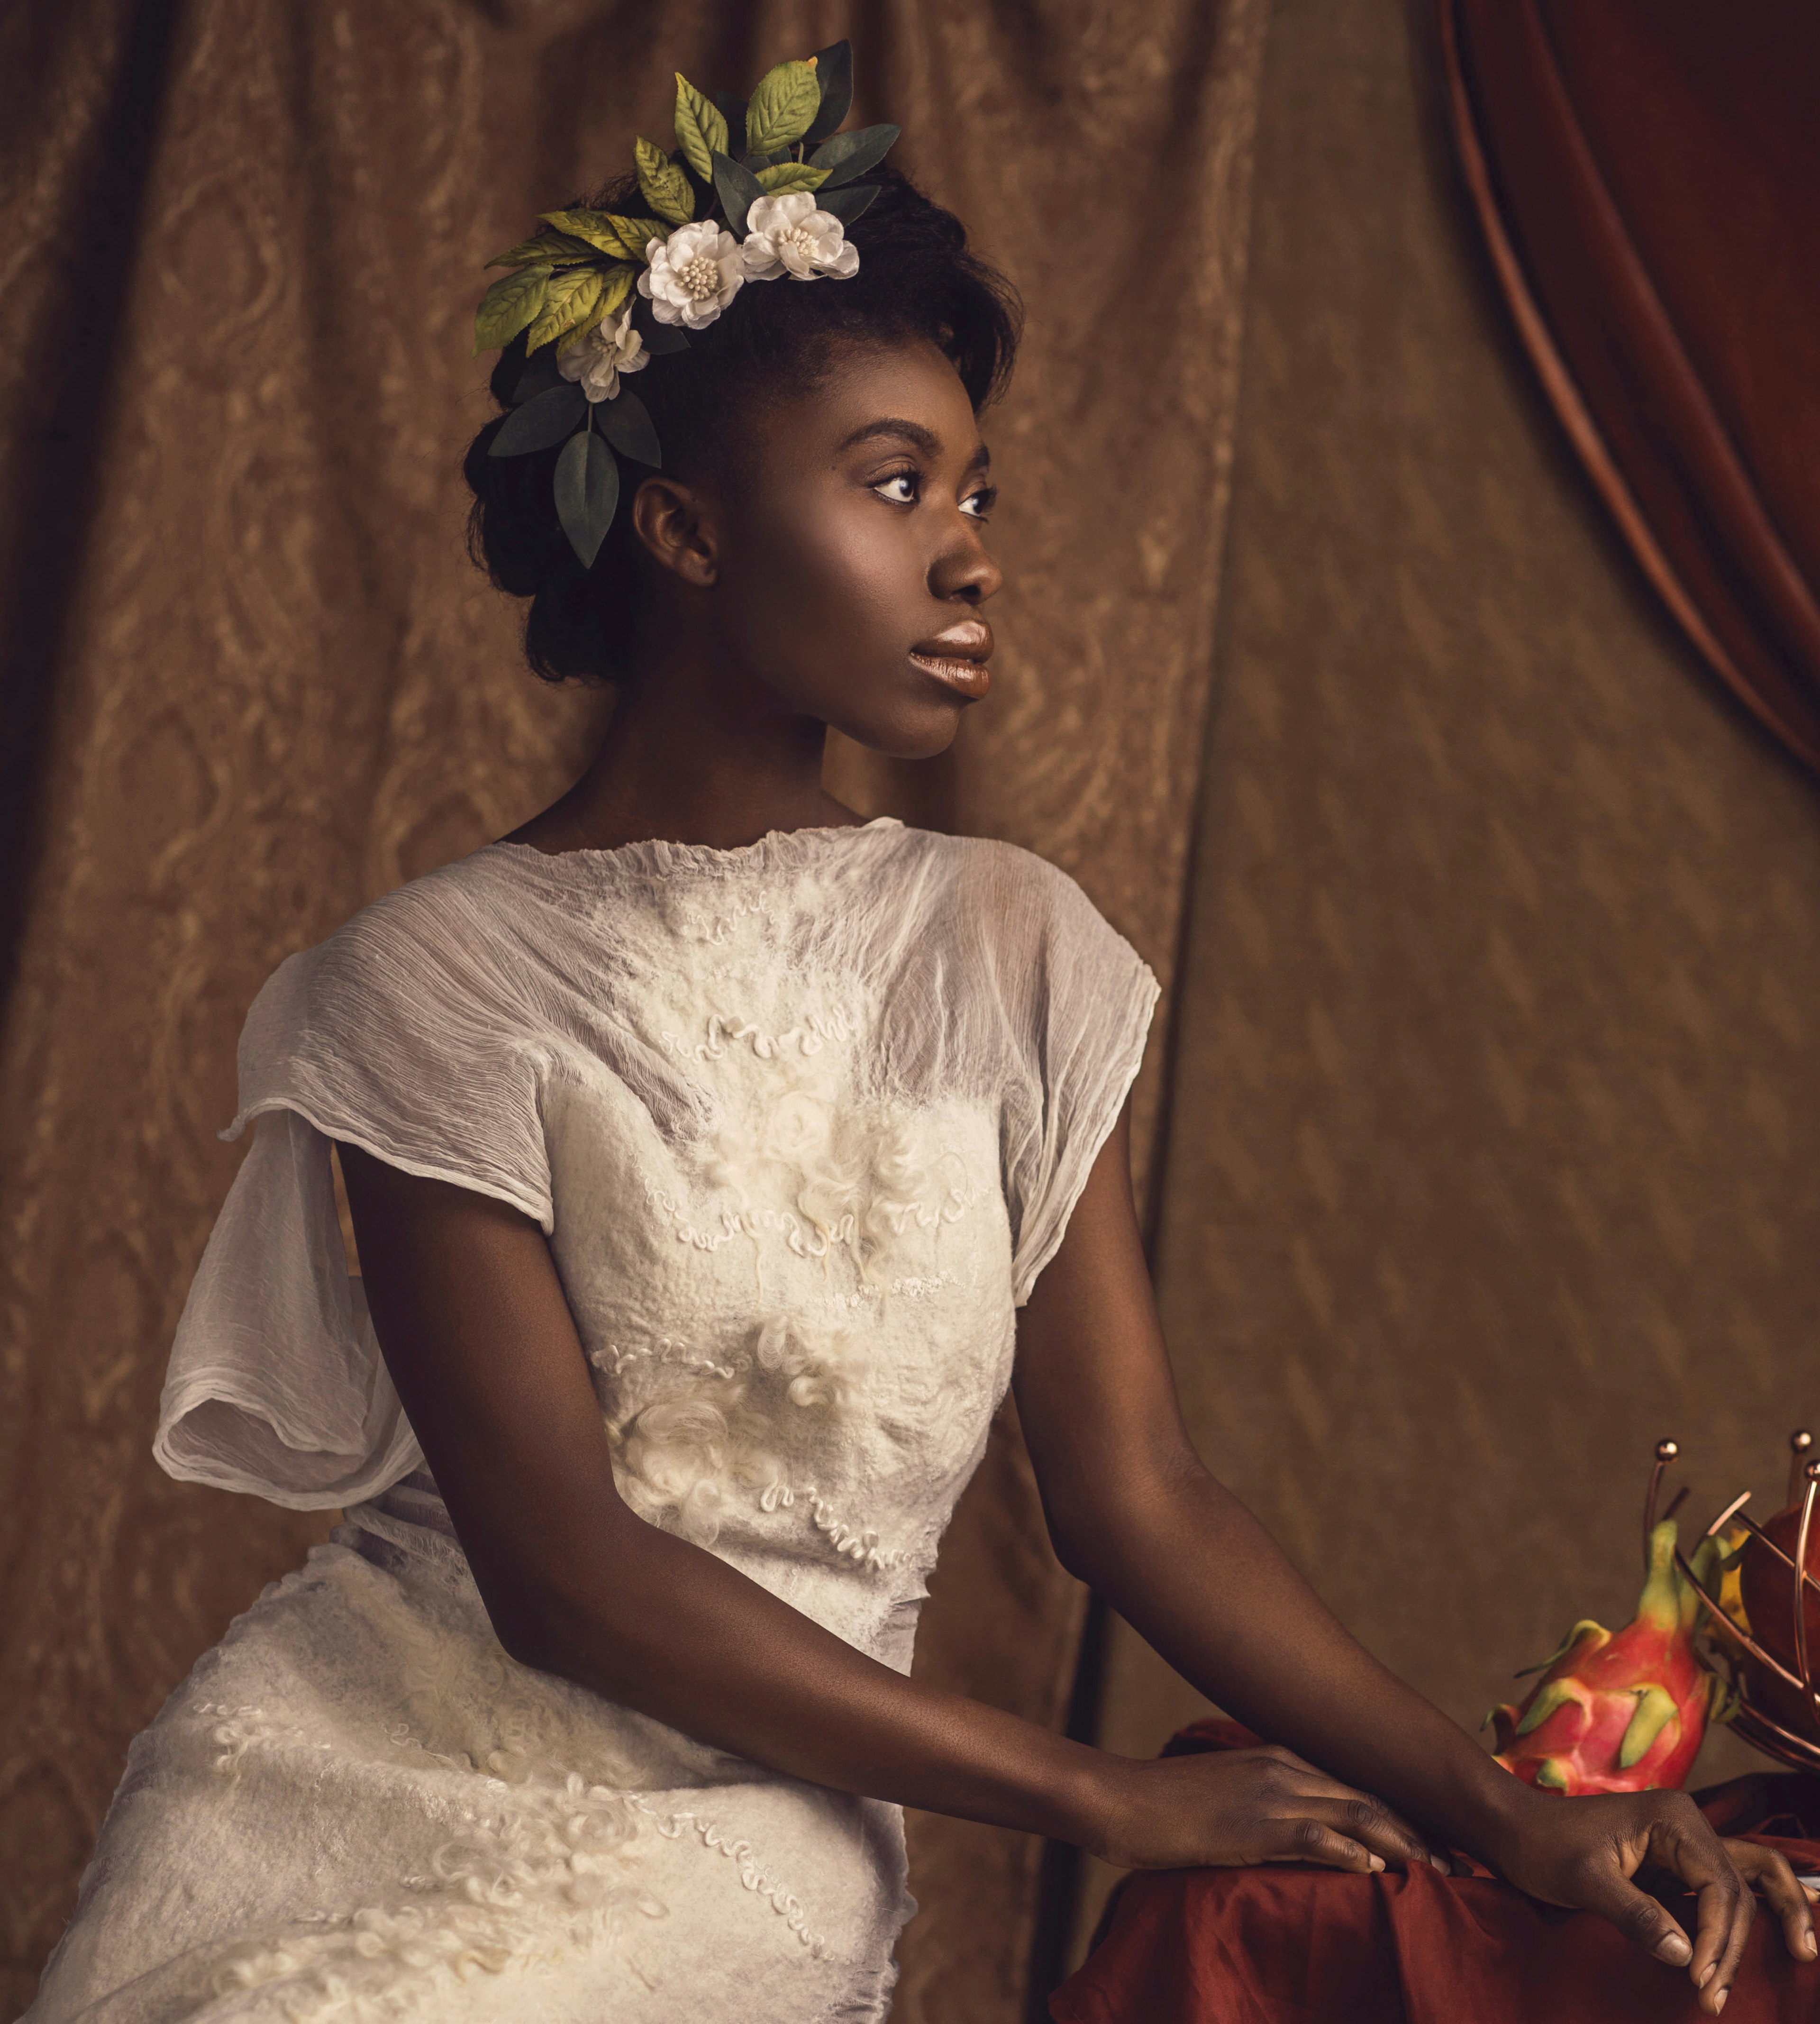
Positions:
(1231, 1809)
(1582, 1853)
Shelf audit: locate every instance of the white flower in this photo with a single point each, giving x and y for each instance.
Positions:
(787, 235)
(693, 275)
(609, 349)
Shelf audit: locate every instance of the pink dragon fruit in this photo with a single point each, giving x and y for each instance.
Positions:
(1623, 1713)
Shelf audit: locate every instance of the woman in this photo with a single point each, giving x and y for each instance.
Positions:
(716, 1159)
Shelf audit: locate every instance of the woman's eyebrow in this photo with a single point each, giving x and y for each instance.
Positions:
(926, 440)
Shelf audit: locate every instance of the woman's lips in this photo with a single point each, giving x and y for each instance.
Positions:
(957, 658)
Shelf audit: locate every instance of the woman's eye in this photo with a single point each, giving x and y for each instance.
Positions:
(900, 488)
(979, 503)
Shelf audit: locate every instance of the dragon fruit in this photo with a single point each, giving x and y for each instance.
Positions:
(1616, 1713)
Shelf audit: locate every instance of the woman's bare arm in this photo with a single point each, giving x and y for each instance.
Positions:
(478, 1337)
(1131, 1512)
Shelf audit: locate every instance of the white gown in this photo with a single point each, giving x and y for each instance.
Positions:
(804, 1121)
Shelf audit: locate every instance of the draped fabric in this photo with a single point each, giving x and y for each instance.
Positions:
(1647, 176)
(255, 682)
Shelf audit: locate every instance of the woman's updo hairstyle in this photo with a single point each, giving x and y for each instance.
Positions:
(774, 341)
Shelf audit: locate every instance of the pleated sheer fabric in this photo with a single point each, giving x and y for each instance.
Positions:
(438, 1029)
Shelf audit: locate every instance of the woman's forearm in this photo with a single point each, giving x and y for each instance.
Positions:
(1196, 1575)
(678, 1634)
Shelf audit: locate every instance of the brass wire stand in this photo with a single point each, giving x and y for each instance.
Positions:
(1725, 1648)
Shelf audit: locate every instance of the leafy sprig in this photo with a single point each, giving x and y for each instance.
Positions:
(579, 271)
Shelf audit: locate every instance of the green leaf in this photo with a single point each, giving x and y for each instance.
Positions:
(733, 111)
(787, 98)
(662, 184)
(508, 306)
(626, 423)
(637, 233)
(847, 205)
(567, 301)
(834, 80)
(701, 130)
(738, 189)
(599, 227)
(557, 248)
(545, 419)
(538, 377)
(619, 283)
(587, 492)
(790, 176)
(850, 155)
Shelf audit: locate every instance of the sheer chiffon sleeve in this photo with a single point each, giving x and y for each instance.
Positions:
(401, 1034)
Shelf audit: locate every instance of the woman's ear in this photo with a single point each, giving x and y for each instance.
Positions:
(671, 519)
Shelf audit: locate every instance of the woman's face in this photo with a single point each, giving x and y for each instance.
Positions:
(850, 559)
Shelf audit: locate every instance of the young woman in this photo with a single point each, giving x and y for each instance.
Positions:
(716, 1159)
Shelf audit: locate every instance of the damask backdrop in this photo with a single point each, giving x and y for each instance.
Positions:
(1487, 1094)
(260, 684)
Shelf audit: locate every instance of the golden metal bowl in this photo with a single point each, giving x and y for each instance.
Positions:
(1753, 1676)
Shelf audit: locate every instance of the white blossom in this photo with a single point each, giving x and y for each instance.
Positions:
(787, 235)
(609, 349)
(693, 275)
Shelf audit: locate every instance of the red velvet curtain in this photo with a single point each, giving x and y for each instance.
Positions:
(1647, 174)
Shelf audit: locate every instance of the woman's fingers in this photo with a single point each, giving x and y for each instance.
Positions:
(1682, 1842)
(1768, 1870)
(1354, 1818)
(1308, 1841)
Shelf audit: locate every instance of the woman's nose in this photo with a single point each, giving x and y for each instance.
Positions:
(966, 569)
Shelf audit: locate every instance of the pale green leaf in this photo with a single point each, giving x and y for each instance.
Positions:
(557, 248)
(700, 130)
(662, 184)
(784, 101)
(508, 306)
(599, 227)
(788, 176)
(638, 233)
(568, 300)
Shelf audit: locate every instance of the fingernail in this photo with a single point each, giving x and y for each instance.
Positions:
(1807, 1945)
(1674, 1949)
(1377, 1862)
(1706, 1974)
(1442, 1864)
(1719, 2000)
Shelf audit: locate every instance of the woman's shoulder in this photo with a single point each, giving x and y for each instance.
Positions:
(1008, 894)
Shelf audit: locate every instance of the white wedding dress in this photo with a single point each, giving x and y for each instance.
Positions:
(802, 1121)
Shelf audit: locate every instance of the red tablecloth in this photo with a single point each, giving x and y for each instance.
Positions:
(1292, 1944)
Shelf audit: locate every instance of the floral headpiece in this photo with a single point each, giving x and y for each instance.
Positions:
(598, 296)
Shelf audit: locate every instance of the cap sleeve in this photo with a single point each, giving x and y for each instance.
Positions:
(1085, 1011)
(402, 1034)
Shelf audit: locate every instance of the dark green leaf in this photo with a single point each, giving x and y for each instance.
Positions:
(537, 378)
(587, 493)
(846, 204)
(737, 189)
(733, 111)
(834, 75)
(546, 418)
(626, 423)
(850, 155)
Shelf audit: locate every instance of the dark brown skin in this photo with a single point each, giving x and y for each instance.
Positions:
(794, 599)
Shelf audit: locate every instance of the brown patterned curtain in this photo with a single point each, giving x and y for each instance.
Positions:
(1646, 174)
(252, 682)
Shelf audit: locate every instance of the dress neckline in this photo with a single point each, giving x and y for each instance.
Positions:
(655, 857)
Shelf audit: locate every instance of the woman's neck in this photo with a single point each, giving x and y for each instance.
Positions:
(683, 760)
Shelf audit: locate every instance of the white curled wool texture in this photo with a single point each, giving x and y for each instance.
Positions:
(803, 1175)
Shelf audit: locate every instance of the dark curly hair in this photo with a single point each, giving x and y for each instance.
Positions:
(917, 278)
